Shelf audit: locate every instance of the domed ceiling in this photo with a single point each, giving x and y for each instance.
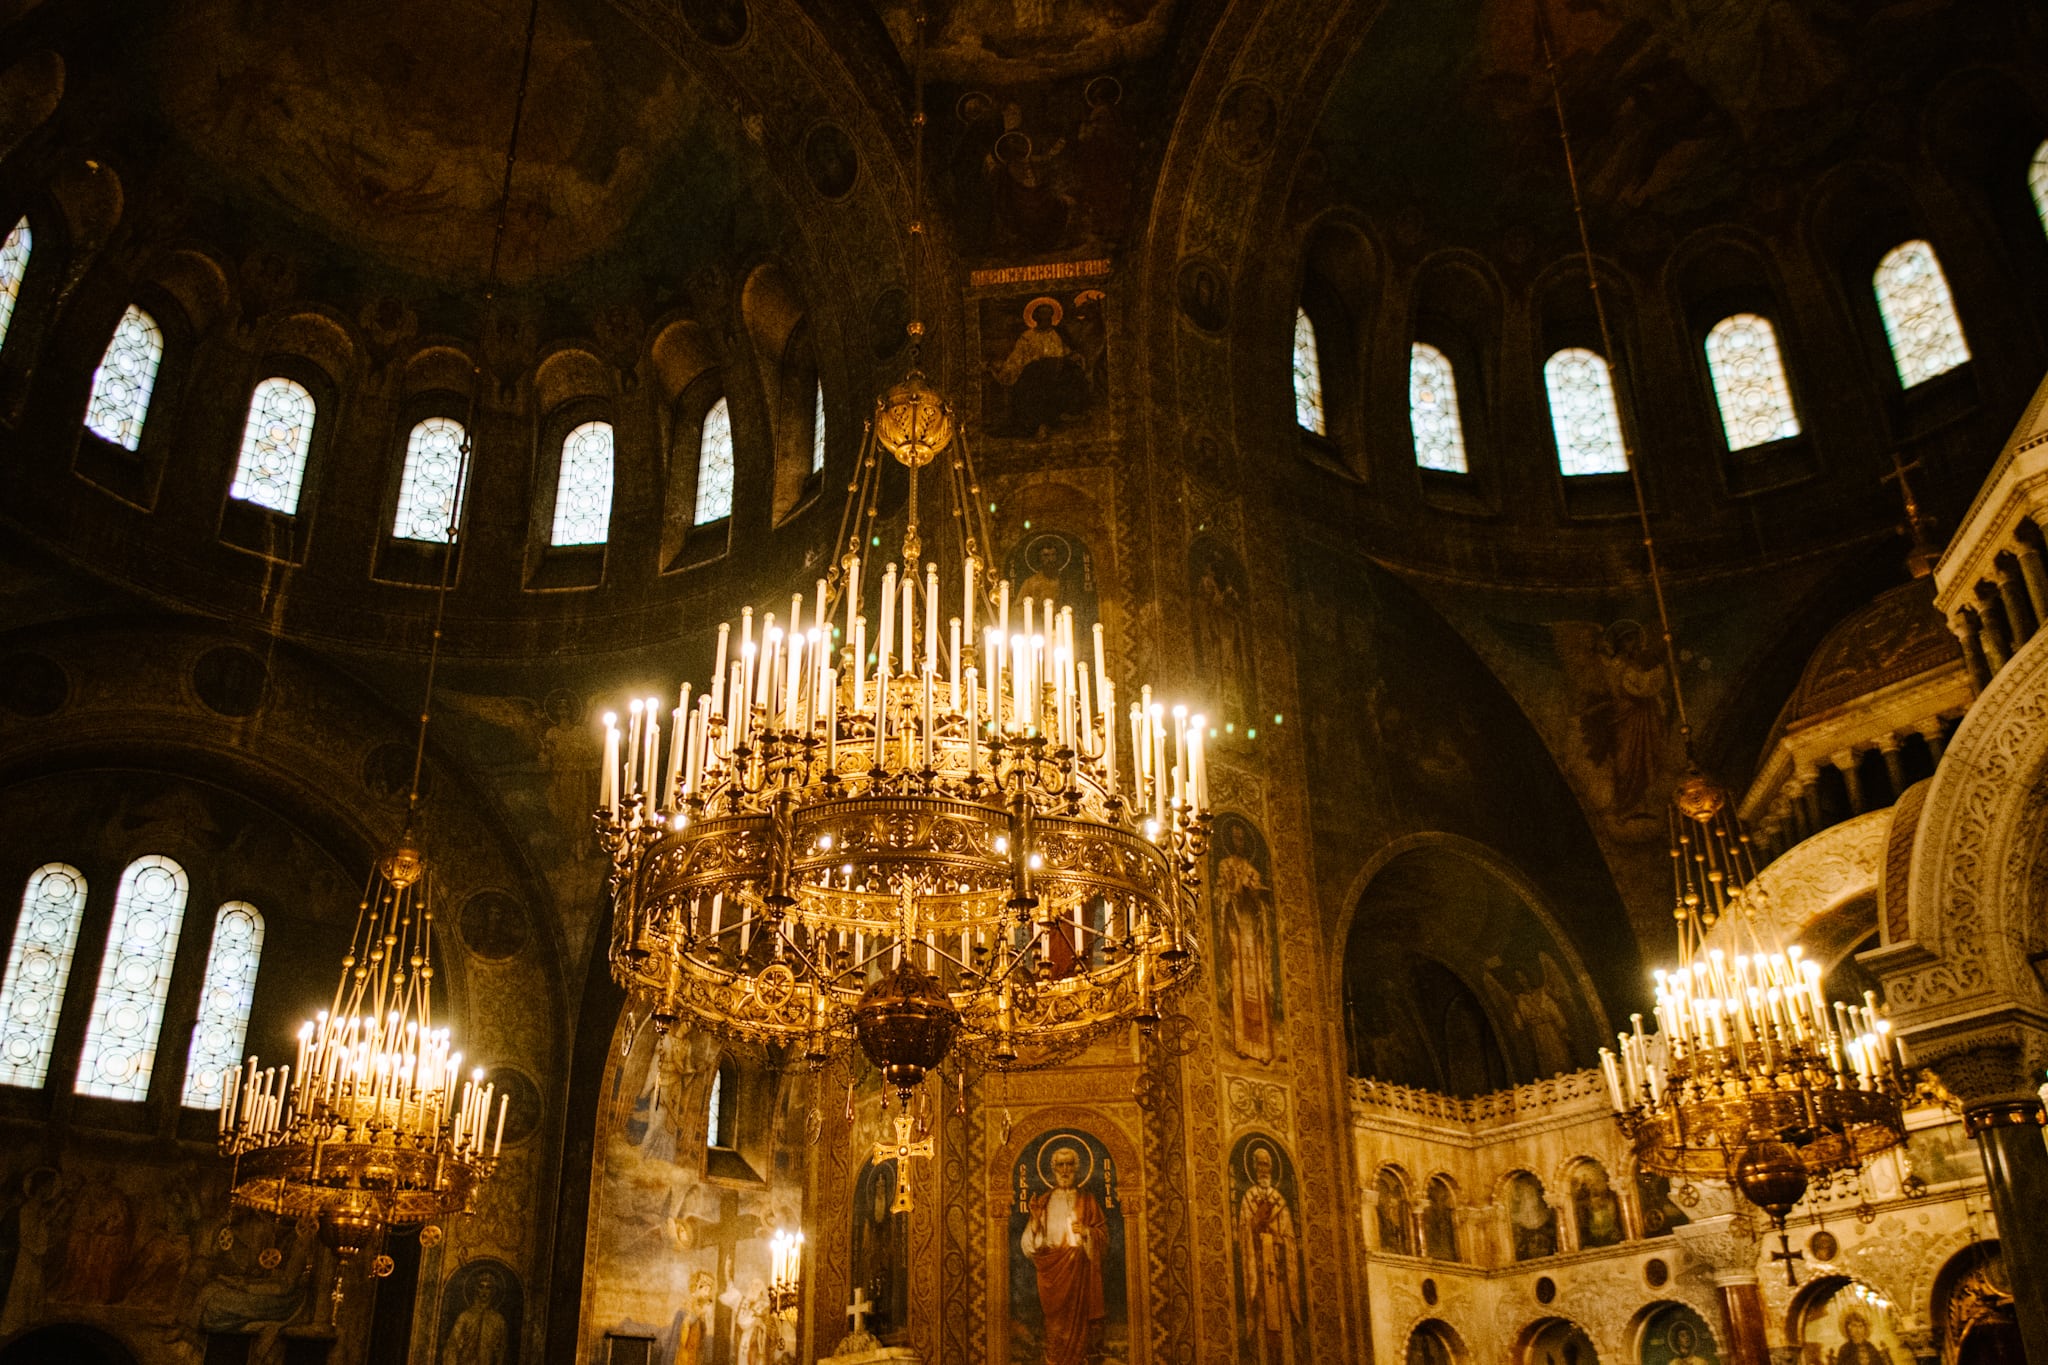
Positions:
(383, 125)
(1702, 107)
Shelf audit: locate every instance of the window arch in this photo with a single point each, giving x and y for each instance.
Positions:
(2037, 181)
(38, 965)
(1919, 313)
(1440, 1220)
(1750, 387)
(1308, 376)
(1392, 1212)
(127, 373)
(275, 442)
(1583, 414)
(224, 1001)
(1433, 410)
(429, 491)
(14, 253)
(818, 432)
(583, 493)
(135, 975)
(714, 465)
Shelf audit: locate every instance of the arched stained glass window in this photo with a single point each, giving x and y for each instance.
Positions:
(714, 1111)
(135, 974)
(583, 495)
(1749, 382)
(1919, 314)
(2037, 181)
(1308, 376)
(1583, 414)
(275, 442)
(714, 465)
(1433, 410)
(38, 965)
(818, 433)
(13, 269)
(224, 1001)
(428, 491)
(122, 383)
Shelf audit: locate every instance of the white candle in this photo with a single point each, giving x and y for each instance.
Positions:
(953, 669)
(608, 780)
(973, 724)
(931, 617)
(888, 623)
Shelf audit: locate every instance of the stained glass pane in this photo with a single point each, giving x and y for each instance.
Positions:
(583, 496)
(135, 974)
(32, 994)
(224, 1001)
(427, 492)
(1919, 314)
(1749, 382)
(274, 446)
(1308, 376)
(818, 433)
(122, 383)
(711, 1109)
(714, 466)
(13, 268)
(1433, 410)
(1582, 413)
(2037, 181)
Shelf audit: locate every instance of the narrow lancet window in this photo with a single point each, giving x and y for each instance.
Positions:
(1308, 376)
(224, 1000)
(1583, 414)
(1919, 314)
(13, 269)
(1749, 382)
(818, 433)
(121, 385)
(430, 489)
(275, 442)
(1433, 410)
(135, 975)
(2037, 181)
(38, 965)
(583, 494)
(714, 465)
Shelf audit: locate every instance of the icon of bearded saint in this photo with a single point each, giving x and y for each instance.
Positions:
(1065, 1241)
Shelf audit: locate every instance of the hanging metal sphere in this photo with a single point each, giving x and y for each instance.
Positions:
(403, 865)
(1771, 1176)
(905, 1024)
(350, 1227)
(1700, 797)
(913, 421)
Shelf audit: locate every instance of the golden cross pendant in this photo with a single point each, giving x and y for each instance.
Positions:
(900, 1151)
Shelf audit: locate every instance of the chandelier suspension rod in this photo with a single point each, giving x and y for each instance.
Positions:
(1624, 413)
(476, 380)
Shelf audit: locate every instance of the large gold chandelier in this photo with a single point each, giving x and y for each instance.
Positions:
(929, 827)
(372, 1126)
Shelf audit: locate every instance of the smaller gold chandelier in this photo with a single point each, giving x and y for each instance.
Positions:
(367, 1129)
(1751, 1076)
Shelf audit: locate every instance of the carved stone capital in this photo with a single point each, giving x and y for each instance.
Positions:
(1726, 1245)
(1989, 1068)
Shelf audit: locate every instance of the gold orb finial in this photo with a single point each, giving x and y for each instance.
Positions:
(913, 421)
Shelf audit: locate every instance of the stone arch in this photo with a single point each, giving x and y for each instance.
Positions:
(1820, 878)
(1963, 992)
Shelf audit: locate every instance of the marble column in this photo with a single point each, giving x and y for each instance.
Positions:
(1973, 653)
(1852, 778)
(2019, 618)
(1894, 764)
(1727, 1245)
(1935, 733)
(1989, 637)
(2009, 1135)
(2035, 572)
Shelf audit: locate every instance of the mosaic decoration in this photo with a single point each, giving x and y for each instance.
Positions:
(128, 1007)
(583, 496)
(1919, 314)
(1433, 410)
(1583, 414)
(1308, 376)
(1749, 382)
(14, 268)
(430, 488)
(714, 466)
(121, 385)
(224, 1001)
(275, 443)
(37, 968)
